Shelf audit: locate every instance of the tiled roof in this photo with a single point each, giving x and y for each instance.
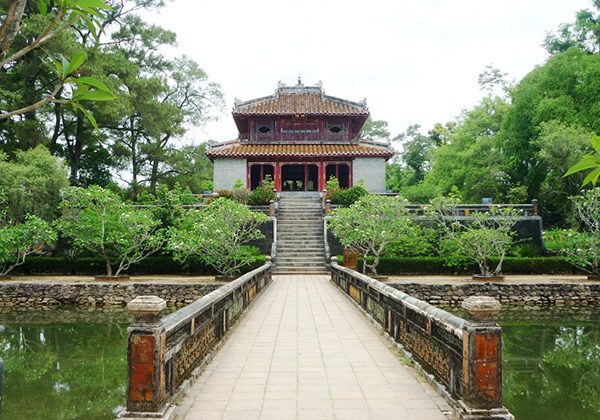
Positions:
(300, 99)
(237, 150)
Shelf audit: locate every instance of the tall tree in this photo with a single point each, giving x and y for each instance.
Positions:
(584, 33)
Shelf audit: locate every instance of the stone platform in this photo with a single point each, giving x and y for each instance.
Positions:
(305, 352)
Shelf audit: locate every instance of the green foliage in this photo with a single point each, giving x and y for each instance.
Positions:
(154, 264)
(583, 34)
(485, 235)
(98, 221)
(216, 234)
(582, 248)
(31, 184)
(332, 184)
(347, 196)
(371, 224)
(470, 158)
(422, 242)
(263, 194)
(525, 250)
(343, 196)
(376, 130)
(20, 240)
(427, 265)
(589, 162)
(169, 203)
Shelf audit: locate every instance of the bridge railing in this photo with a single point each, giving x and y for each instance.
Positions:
(464, 356)
(165, 353)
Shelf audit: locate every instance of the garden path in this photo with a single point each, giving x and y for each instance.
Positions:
(305, 352)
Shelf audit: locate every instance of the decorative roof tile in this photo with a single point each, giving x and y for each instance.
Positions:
(238, 150)
(300, 100)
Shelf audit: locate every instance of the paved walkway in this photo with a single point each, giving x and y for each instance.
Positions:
(303, 351)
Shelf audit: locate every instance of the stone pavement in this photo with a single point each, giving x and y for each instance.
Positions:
(304, 351)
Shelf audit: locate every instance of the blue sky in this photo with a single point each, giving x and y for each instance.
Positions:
(416, 61)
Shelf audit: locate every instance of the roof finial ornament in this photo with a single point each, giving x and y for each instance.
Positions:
(300, 81)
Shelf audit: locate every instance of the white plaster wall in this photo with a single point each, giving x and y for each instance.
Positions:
(227, 171)
(371, 171)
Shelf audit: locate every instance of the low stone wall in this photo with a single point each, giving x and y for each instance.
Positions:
(31, 294)
(514, 294)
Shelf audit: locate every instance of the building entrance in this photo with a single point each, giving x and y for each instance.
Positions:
(299, 177)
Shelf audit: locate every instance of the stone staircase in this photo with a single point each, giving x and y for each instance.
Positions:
(300, 242)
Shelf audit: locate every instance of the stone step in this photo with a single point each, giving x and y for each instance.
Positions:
(294, 240)
(306, 261)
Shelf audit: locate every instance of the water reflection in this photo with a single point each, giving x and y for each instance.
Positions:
(63, 364)
(552, 365)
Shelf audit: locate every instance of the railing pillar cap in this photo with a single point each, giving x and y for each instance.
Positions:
(481, 308)
(268, 258)
(334, 260)
(146, 309)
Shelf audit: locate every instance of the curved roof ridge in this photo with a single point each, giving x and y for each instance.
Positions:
(300, 99)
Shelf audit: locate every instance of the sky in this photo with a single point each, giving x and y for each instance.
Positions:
(415, 61)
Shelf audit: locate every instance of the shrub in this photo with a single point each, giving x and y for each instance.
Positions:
(216, 234)
(437, 265)
(100, 223)
(263, 194)
(583, 248)
(241, 195)
(486, 236)
(371, 224)
(348, 196)
(20, 240)
(154, 264)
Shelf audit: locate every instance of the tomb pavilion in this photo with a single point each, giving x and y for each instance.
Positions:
(300, 137)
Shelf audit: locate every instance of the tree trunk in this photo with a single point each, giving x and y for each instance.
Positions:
(154, 175)
(108, 267)
(11, 25)
(77, 148)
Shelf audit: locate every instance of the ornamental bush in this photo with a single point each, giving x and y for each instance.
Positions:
(371, 224)
(23, 239)
(217, 234)
(263, 194)
(485, 238)
(582, 248)
(97, 221)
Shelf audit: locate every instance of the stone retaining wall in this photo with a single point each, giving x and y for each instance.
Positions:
(30, 294)
(522, 294)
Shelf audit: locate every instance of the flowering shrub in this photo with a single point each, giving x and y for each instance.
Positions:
(217, 235)
(371, 224)
(20, 240)
(481, 238)
(582, 248)
(99, 222)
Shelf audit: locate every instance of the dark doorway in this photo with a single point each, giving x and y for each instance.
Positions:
(300, 177)
(259, 172)
(339, 170)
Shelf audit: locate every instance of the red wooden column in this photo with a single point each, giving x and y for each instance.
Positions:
(278, 176)
(322, 180)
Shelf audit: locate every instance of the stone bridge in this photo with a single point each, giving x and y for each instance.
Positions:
(311, 347)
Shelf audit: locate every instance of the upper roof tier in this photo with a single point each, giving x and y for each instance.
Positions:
(300, 100)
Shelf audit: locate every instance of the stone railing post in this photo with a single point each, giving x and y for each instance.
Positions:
(327, 207)
(146, 390)
(272, 211)
(482, 360)
(536, 207)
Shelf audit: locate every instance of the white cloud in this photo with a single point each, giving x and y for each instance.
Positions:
(416, 61)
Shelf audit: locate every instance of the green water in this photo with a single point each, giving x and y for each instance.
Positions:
(73, 365)
(551, 365)
(63, 365)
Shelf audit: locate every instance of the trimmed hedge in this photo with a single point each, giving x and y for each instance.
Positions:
(95, 266)
(436, 265)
